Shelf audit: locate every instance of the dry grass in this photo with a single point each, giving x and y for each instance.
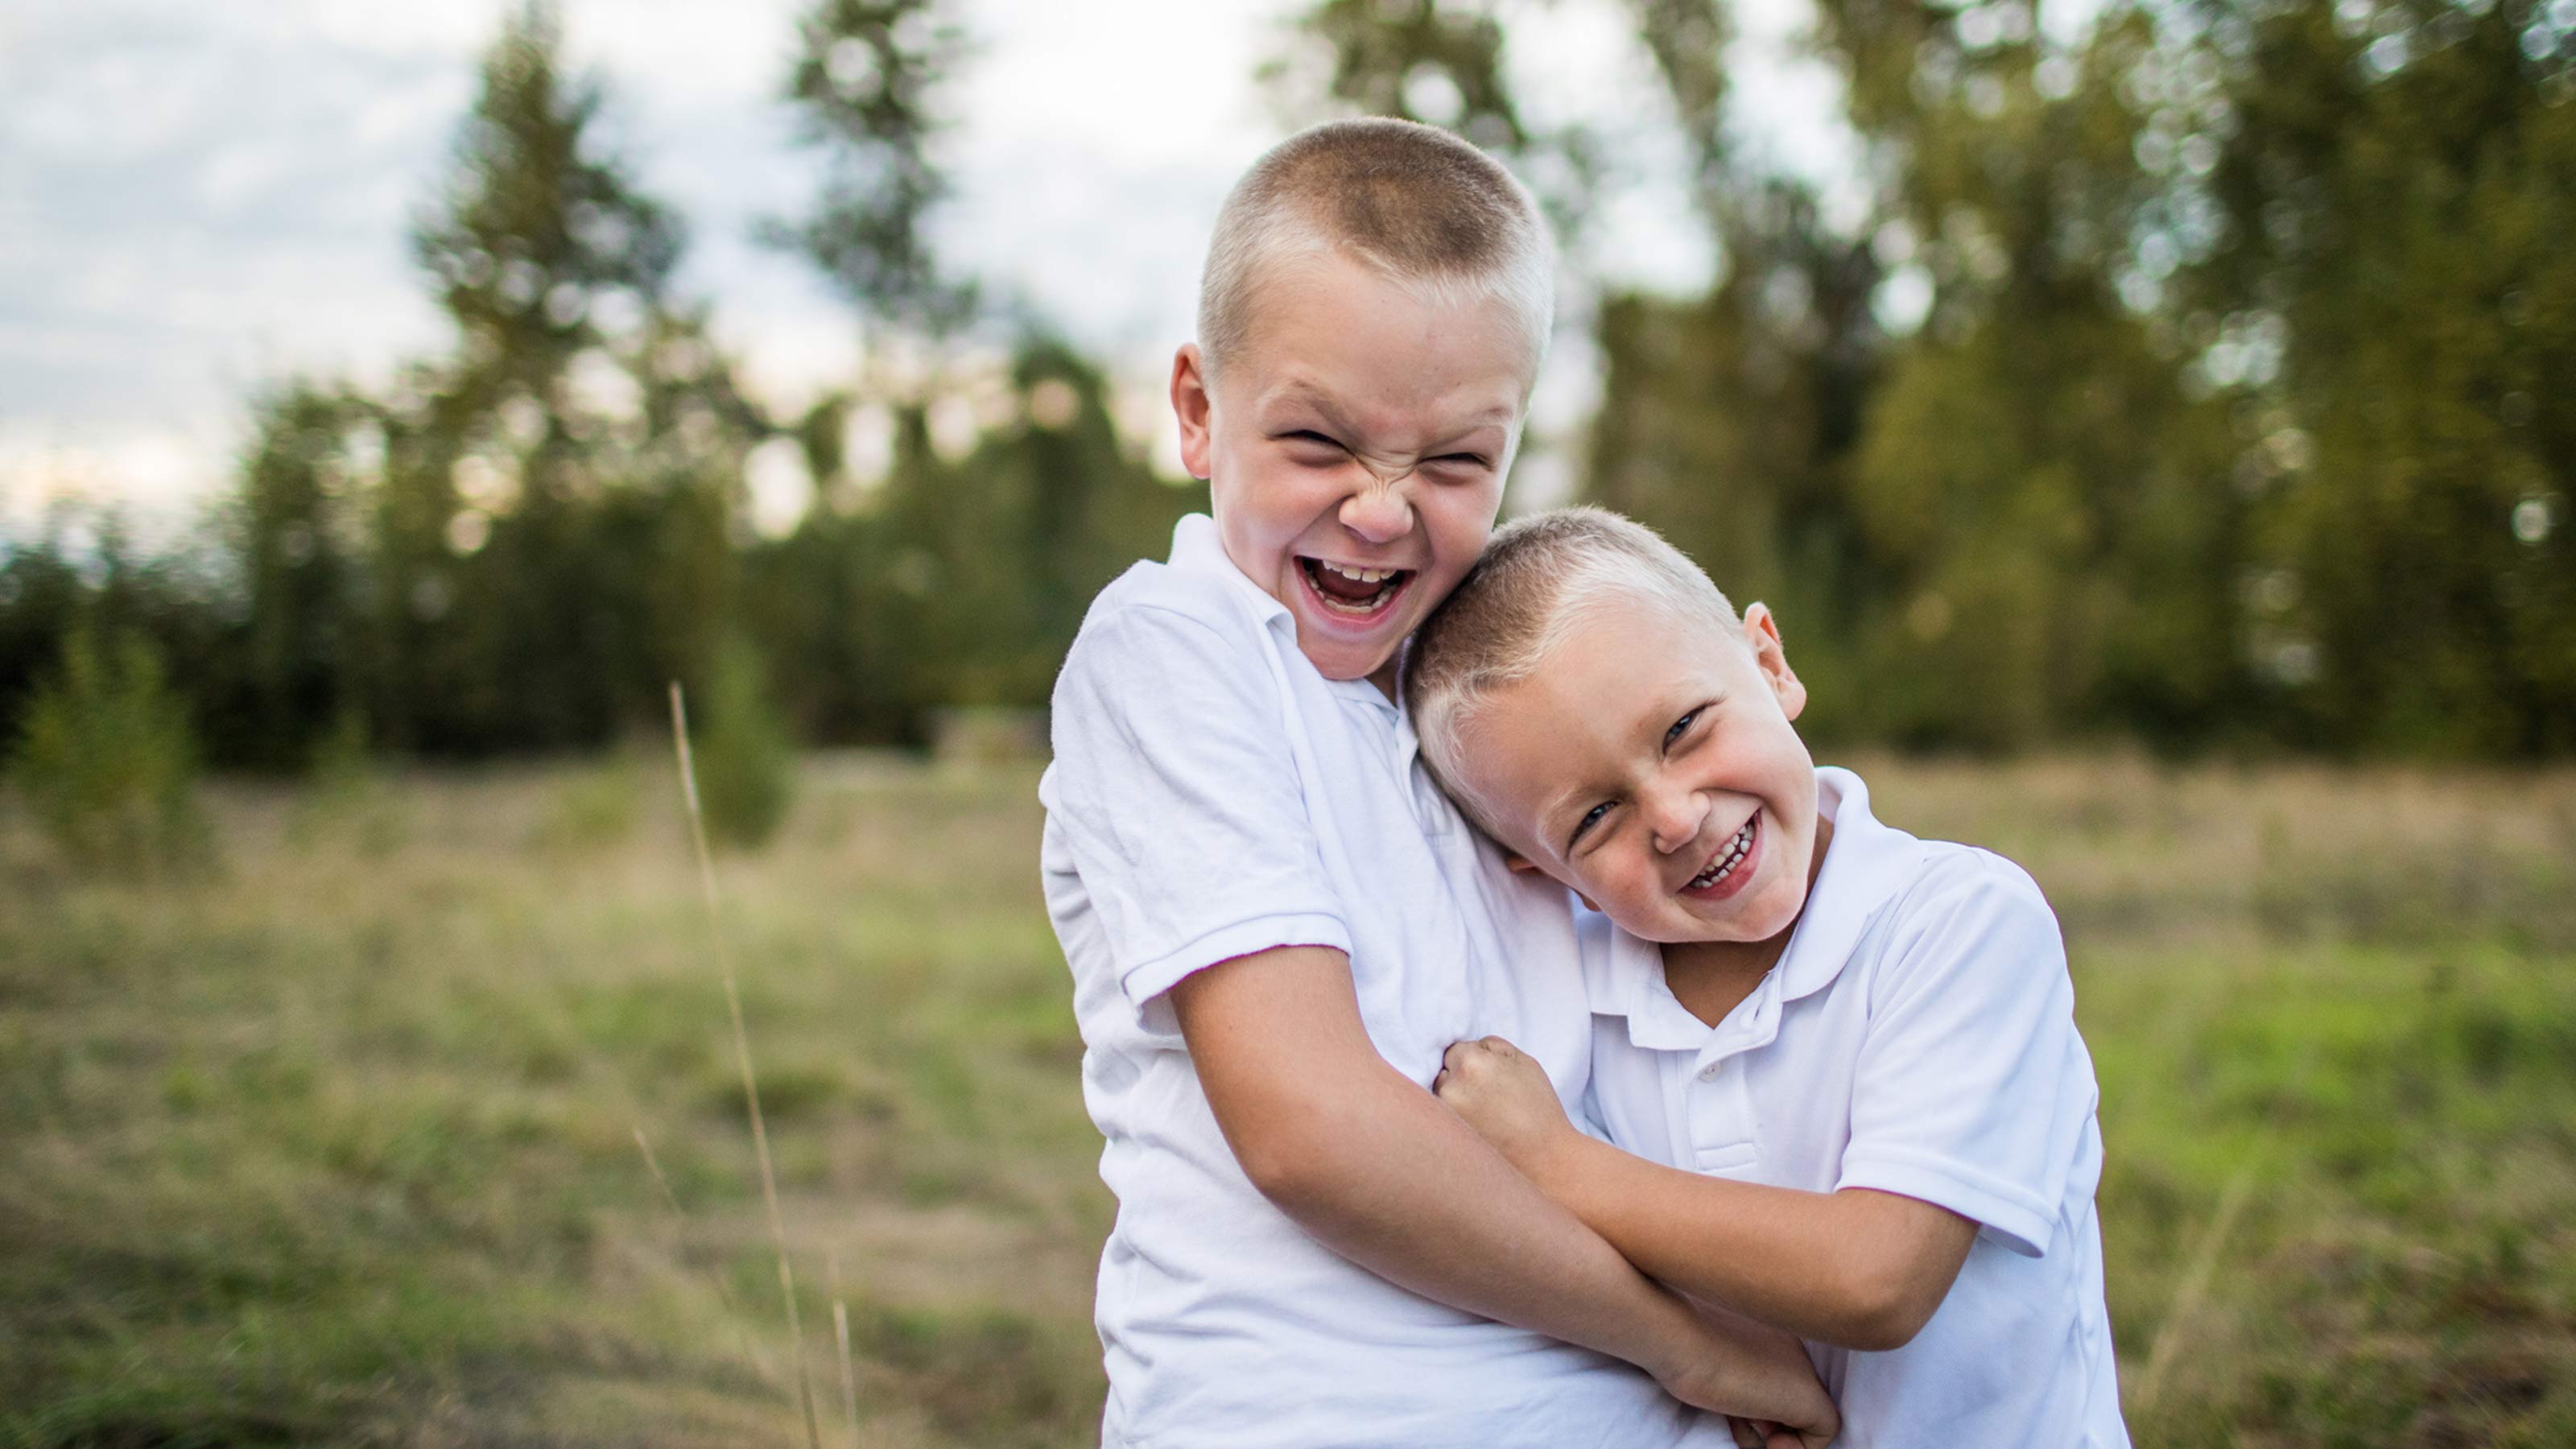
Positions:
(341, 1146)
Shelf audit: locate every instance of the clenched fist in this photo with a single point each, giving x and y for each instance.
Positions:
(1508, 1099)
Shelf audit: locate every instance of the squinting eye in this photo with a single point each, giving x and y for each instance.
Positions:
(1587, 822)
(1679, 725)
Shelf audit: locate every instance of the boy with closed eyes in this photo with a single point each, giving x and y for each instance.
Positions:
(1276, 923)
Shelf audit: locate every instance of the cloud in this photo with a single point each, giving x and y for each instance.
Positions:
(196, 200)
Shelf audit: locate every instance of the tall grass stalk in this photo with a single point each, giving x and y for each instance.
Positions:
(2194, 1289)
(742, 1059)
(680, 1232)
(841, 1335)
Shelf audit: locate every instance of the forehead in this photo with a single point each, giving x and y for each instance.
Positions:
(1598, 702)
(1323, 329)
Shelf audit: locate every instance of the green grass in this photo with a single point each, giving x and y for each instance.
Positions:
(338, 1146)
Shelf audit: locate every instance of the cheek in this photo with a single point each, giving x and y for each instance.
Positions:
(1459, 521)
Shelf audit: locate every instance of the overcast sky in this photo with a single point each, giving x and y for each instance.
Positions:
(197, 198)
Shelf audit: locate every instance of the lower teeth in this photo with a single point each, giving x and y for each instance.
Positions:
(1734, 858)
(1351, 606)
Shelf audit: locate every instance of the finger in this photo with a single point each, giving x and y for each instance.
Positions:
(1746, 1436)
(1456, 1053)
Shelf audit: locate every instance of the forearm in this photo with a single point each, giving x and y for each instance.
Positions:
(1378, 1170)
(1406, 1190)
(1396, 1183)
(1858, 1269)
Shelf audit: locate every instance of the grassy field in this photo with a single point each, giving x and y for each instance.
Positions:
(341, 1145)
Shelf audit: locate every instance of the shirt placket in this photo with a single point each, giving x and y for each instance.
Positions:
(1723, 1135)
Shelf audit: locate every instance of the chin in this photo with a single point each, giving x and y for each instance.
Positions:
(1342, 663)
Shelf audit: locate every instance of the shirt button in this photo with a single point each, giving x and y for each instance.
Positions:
(1708, 1073)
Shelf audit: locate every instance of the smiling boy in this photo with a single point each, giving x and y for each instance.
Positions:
(1276, 924)
(1837, 1066)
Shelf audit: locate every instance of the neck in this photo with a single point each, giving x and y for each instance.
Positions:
(1384, 675)
(1712, 978)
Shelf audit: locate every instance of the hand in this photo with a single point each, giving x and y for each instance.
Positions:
(1508, 1099)
(1762, 1380)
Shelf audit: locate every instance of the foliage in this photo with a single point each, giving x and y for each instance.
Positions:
(863, 80)
(106, 757)
(2387, 295)
(536, 246)
(2180, 378)
(744, 759)
(2176, 369)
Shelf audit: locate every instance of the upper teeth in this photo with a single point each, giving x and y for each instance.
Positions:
(1735, 849)
(1359, 576)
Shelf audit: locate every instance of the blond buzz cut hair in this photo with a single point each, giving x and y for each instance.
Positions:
(1537, 579)
(1426, 210)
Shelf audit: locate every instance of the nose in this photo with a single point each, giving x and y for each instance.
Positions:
(1378, 512)
(1674, 815)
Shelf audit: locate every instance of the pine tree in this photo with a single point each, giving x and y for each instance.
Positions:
(864, 80)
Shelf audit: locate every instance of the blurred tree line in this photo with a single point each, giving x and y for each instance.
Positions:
(2186, 372)
(2179, 369)
(519, 542)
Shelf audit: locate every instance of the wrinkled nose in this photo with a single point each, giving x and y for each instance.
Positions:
(1674, 815)
(1378, 513)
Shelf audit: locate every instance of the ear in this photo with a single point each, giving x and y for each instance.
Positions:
(1192, 406)
(1523, 865)
(1762, 636)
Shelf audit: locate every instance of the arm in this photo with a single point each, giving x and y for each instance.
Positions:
(1369, 1163)
(1857, 1268)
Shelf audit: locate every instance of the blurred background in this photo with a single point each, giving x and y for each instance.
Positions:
(2147, 417)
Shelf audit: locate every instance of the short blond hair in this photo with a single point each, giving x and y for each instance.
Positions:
(1428, 211)
(1538, 577)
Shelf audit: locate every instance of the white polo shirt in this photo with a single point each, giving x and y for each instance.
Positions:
(1917, 1037)
(1211, 796)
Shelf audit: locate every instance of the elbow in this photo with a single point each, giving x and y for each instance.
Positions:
(1880, 1313)
(1290, 1159)
(1883, 1330)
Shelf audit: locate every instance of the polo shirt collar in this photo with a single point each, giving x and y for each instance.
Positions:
(1196, 549)
(1865, 866)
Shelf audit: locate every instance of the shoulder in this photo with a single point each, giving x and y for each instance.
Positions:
(1154, 617)
(1188, 593)
(1972, 910)
(1954, 878)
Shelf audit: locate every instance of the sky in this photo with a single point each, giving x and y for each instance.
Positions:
(199, 199)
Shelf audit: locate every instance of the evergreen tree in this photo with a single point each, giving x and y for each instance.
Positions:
(298, 543)
(863, 81)
(555, 529)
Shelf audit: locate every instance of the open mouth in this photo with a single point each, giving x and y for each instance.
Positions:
(1728, 871)
(1346, 591)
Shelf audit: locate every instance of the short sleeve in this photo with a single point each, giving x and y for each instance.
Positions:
(1175, 792)
(1973, 1090)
